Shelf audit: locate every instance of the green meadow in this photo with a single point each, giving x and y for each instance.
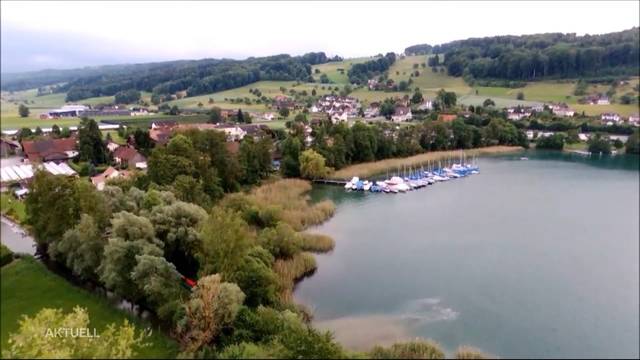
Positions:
(332, 70)
(28, 287)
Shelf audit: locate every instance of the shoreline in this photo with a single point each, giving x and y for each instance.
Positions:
(378, 167)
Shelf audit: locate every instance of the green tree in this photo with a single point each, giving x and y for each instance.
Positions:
(213, 305)
(256, 278)
(324, 79)
(81, 248)
(160, 283)
(633, 143)
(417, 97)
(225, 242)
(284, 112)
(312, 165)
(520, 95)
(291, 149)
(555, 142)
(90, 144)
(23, 111)
(55, 130)
(176, 225)
(51, 207)
(572, 136)
(488, 102)
(130, 96)
(599, 144)
(31, 340)
(215, 115)
(282, 241)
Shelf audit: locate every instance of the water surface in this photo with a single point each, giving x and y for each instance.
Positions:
(534, 258)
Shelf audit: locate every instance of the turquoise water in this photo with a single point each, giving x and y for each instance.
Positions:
(534, 258)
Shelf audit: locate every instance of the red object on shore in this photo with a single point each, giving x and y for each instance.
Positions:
(189, 282)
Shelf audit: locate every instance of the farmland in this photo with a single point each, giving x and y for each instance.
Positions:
(428, 81)
(331, 69)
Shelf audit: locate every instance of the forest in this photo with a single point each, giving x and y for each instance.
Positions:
(532, 57)
(195, 76)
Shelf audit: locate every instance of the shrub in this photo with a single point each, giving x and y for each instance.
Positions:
(466, 352)
(419, 349)
(5, 255)
(317, 243)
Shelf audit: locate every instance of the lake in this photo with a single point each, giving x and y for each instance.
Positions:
(534, 258)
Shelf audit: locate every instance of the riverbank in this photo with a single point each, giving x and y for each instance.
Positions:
(378, 167)
(28, 286)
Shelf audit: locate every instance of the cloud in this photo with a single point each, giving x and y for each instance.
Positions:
(147, 31)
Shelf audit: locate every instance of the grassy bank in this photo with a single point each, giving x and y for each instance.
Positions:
(12, 208)
(27, 287)
(378, 167)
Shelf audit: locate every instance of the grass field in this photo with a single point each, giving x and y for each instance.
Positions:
(9, 103)
(27, 287)
(428, 81)
(13, 208)
(501, 102)
(331, 69)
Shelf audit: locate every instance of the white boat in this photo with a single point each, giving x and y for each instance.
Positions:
(347, 186)
(366, 186)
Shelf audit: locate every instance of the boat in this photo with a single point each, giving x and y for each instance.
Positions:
(366, 186)
(524, 158)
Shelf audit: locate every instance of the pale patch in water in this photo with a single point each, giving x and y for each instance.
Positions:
(361, 333)
(427, 310)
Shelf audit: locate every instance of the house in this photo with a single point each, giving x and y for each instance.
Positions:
(401, 113)
(610, 118)
(9, 147)
(49, 149)
(372, 84)
(426, 105)
(112, 146)
(373, 110)
(268, 116)
(518, 113)
(447, 117)
(282, 102)
(339, 117)
(634, 119)
(562, 110)
(233, 131)
(127, 156)
(598, 99)
(110, 173)
(403, 102)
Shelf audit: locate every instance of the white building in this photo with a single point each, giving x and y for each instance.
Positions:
(402, 113)
(339, 117)
(610, 118)
(426, 105)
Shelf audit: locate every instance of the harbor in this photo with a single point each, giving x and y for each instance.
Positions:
(411, 178)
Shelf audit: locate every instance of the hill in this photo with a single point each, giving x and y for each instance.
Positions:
(540, 56)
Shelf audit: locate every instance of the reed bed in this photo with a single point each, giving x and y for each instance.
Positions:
(418, 349)
(317, 243)
(291, 270)
(291, 198)
(379, 167)
(467, 352)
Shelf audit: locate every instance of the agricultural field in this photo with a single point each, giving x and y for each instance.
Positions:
(428, 81)
(500, 102)
(268, 88)
(331, 69)
(28, 287)
(9, 103)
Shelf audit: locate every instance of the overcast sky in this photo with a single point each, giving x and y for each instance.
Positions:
(40, 35)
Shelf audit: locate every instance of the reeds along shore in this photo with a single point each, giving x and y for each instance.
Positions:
(379, 167)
